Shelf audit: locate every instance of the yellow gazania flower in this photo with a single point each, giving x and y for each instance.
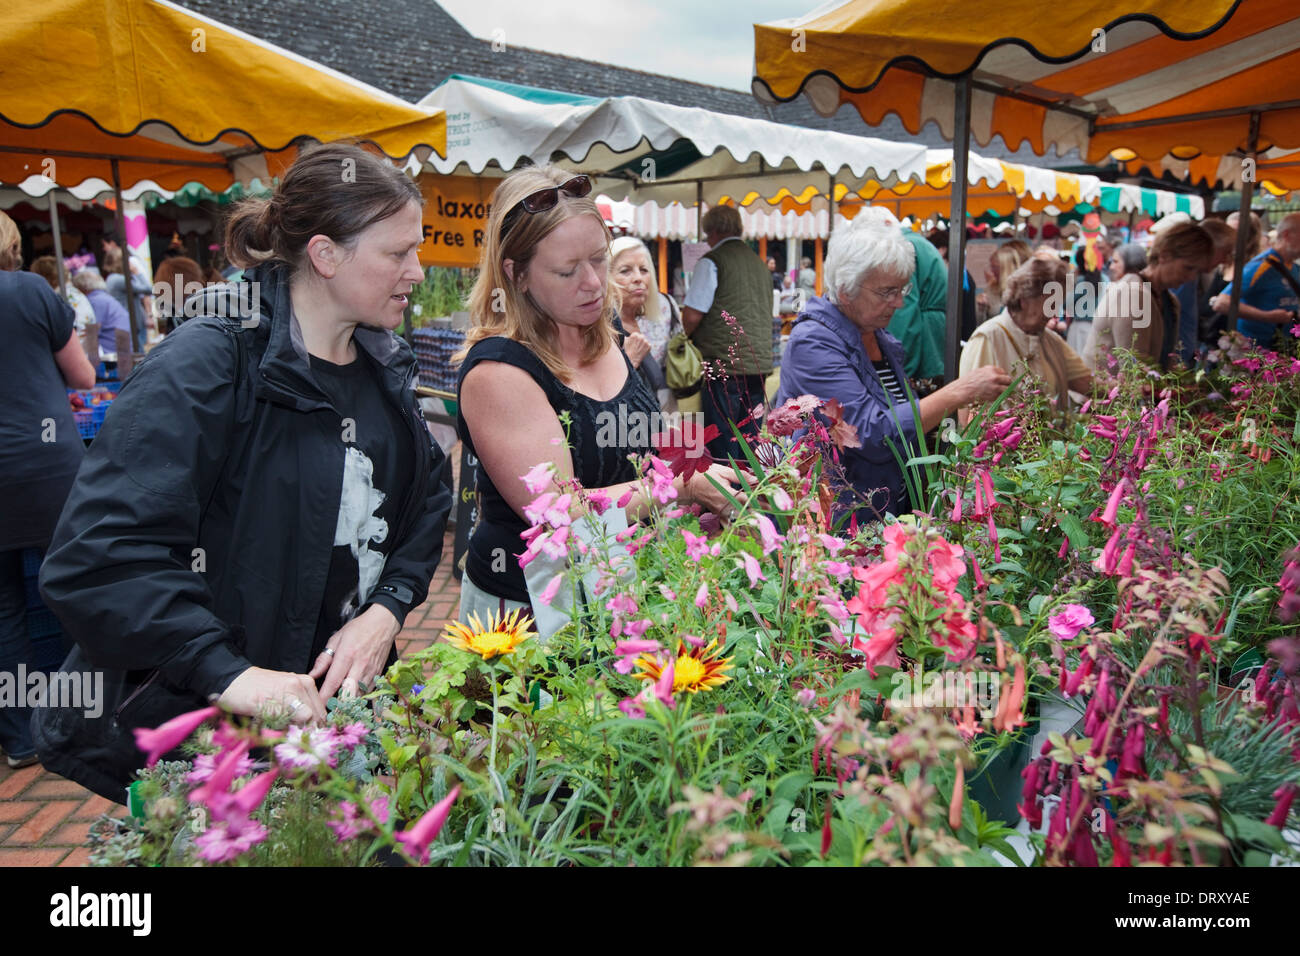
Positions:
(696, 668)
(500, 636)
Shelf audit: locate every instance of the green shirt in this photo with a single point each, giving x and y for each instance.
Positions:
(921, 322)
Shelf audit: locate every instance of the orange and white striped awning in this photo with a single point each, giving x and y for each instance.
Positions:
(1160, 79)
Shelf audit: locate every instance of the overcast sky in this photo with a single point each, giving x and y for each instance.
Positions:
(708, 41)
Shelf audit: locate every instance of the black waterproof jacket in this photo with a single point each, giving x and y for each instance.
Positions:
(197, 539)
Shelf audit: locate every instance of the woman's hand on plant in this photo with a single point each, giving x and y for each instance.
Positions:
(702, 492)
(357, 652)
(637, 347)
(259, 690)
(984, 384)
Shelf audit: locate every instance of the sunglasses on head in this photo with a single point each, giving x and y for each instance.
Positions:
(545, 199)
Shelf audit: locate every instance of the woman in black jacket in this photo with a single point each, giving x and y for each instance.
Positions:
(263, 505)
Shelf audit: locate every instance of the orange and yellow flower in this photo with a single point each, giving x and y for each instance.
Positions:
(500, 636)
(695, 669)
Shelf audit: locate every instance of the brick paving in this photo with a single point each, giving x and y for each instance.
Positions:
(44, 818)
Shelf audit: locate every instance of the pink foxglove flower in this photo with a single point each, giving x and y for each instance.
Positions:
(167, 737)
(416, 840)
(1069, 621)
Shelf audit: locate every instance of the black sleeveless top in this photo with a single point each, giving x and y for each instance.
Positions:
(599, 442)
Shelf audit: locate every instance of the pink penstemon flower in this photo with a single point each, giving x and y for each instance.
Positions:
(629, 650)
(416, 840)
(702, 597)
(538, 477)
(767, 531)
(551, 590)
(752, 569)
(167, 737)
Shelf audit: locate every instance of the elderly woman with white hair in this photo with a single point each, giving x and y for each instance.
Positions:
(649, 319)
(840, 349)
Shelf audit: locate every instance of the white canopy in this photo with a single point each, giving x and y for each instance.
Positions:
(643, 151)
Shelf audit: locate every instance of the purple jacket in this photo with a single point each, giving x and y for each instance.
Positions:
(825, 358)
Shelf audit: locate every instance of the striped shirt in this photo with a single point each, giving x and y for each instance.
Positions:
(892, 385)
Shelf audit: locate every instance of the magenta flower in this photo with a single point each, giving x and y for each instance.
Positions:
(599, 501)
(664, 686)
(227, 839)
(250, 796)
(206, 764)
(416, 840)
(634, 629)
(1071, 619)
(696, 545)
(554, 545)
(214, 791)
(625, 497)
(352, 734)
(630, 650)
(752, 569)
(632, 707)
(169, 736)
(1109, 516)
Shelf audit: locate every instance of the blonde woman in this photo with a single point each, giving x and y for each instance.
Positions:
(543, 343)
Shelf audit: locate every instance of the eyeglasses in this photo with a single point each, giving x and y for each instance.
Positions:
(545, 199)
(885, 295)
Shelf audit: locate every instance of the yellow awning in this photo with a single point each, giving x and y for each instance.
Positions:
(159, 86)
(1157, 77)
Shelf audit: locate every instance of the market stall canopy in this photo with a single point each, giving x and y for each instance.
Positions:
(995, 186)
(642, 150)
(1155, 77)
(175, 97)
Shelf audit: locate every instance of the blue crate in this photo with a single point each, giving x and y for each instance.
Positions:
(41, 622)
(97, 413)
(32, 558)
(87, 427)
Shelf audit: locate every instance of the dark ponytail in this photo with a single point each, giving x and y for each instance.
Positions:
(334, 189)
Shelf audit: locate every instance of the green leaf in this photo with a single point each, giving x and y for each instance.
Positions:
(1073, 530)
(1254, 832)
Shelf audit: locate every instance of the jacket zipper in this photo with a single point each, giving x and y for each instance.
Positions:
(153, 675)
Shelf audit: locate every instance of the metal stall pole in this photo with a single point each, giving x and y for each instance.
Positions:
(120, 215)
(1243, 226)
(957, 227)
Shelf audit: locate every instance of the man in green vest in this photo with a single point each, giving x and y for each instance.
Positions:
(730, 278)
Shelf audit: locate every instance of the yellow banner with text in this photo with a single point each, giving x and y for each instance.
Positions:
(455, 219)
